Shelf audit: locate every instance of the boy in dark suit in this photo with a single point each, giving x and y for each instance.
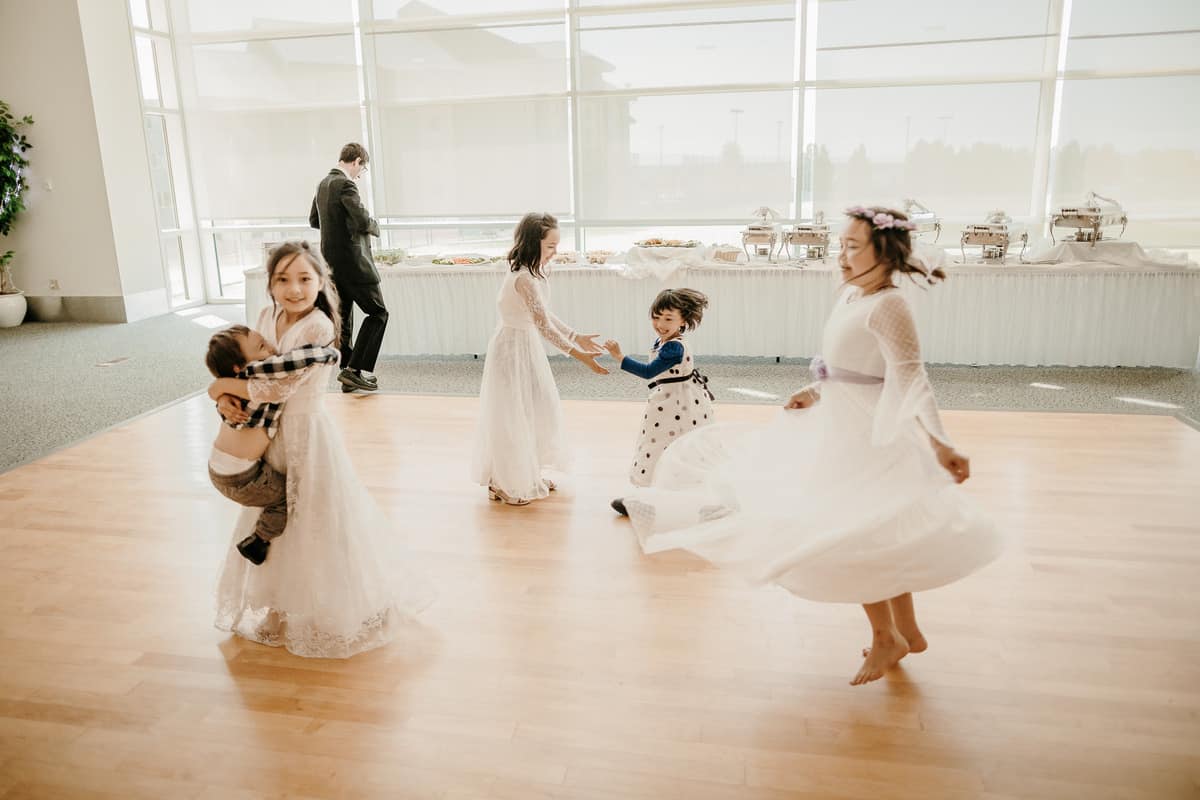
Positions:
(338, 212)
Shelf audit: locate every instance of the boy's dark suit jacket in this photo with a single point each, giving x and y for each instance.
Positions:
(338, 212)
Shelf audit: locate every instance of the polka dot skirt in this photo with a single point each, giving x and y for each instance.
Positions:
(672, 410)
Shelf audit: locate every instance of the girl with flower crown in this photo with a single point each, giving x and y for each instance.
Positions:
(863, 444)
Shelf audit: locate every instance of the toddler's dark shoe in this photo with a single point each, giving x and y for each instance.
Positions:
(254, 549)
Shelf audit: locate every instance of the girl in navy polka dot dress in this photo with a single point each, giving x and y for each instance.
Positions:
(679, 399)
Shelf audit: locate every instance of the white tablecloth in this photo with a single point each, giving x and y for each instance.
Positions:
(1073, 315)
(1110, 252)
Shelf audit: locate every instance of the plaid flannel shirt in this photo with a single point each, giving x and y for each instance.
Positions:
(265, 415)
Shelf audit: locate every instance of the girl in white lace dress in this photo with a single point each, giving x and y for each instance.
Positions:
(520, 416)
(849, 496)
(337, 583)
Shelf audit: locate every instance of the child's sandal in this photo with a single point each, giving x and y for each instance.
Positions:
(497, 494)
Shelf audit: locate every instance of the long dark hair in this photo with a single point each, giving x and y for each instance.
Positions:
(688, 302)
(893, 244)
(327, 297)
(526, 252)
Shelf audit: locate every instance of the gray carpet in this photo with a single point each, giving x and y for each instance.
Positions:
(63, 382)
(763, 380)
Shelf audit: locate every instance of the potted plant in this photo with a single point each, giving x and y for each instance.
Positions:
(13, 145)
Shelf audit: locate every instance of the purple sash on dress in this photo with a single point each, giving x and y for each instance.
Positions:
(823, 372)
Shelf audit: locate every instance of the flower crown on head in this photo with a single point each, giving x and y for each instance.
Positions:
(880, 220)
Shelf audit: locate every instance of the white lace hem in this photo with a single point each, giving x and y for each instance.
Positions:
(304, 637)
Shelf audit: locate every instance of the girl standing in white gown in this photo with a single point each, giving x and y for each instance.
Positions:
(325, 592)
(520, 415)
(849, 496)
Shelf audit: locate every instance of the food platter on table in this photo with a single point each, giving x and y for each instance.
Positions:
(465, 260)
(590, 257)
(389, 258)
(655, 241)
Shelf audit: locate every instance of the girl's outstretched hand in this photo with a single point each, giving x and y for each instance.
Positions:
(954, 462)
(614, 349)
(590, 360)
(587, 343)
(231, 409)
(805, 398)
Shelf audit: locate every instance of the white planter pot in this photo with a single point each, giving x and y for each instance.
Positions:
(12, 309)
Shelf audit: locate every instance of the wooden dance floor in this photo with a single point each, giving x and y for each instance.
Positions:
(559, 662)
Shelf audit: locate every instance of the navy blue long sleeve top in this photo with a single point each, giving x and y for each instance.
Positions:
(667, 356)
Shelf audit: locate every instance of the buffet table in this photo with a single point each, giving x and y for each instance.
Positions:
(1078, 314)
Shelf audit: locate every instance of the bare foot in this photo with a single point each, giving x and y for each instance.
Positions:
(885, 654)
(270, 630)
(916, 642)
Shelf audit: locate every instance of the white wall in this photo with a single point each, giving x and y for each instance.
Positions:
(65, 233)
(90, 222)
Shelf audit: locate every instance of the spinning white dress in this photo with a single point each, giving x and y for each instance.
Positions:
(841, 502)
(520, 414)
(338, 577)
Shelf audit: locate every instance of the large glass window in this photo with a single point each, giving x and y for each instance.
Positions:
(875, 23)
(473, 121)
(472, 159)
(961, 150)
(271, 117)
(752, 44)
(166, 152)
(685, 156)
(471, 62)
(160, 171)
(386, 10)
(1126, 132)
(1147, 157)
(686, 115)
(267, 16)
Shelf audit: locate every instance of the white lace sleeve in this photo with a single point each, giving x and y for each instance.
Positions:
(527, 288)
(563, 328)
(907, 393)
(277, 389)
